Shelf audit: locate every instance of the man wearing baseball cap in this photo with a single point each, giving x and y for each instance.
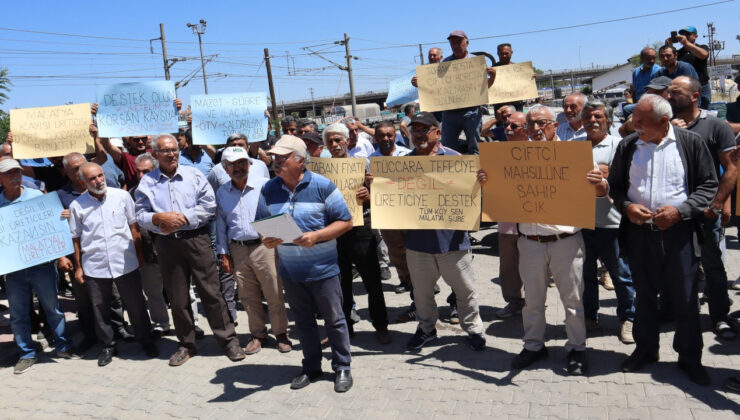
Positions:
(308, 265)
(242, 254)
(315, 145)
(697, 55)
(468, 119)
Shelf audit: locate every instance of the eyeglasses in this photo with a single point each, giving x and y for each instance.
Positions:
(515, 126)
(281, 158)
(138, 139)
(242, 163)
(540, 123)
(168, 151)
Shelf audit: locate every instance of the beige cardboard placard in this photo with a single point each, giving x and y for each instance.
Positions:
(538, 182)
(51, 131)
(348, 175)
(513, 82)
(452, 84)
(425, 192)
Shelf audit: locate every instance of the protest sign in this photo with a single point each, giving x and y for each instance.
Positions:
(425, 192)
(136, 109)
(452, 84)
(538, 182)
(51, 131)
(216, 117)
(32, 232)
(348, 175)
(401, 91)
(514, 82)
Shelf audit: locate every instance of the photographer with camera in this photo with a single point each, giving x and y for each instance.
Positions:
(695, 54)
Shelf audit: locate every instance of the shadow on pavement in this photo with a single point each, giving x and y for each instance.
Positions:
(243, 380)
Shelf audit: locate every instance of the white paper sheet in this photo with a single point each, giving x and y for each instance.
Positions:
(281, 226)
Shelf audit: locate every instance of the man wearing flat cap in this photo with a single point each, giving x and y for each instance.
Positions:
(468, 119)
(308, 265)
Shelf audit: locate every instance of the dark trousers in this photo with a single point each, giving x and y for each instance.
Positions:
(359, 246)
(714, 269)
(101, 295)
(179, 260)
(86, 315)
(603, 243)
(306, 298)
(665, 257)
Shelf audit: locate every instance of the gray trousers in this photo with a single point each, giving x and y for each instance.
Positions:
(151, 281)
(564, 259)
(456, 268)
(511, 281)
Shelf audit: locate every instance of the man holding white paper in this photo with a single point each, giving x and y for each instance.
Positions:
(308, 265)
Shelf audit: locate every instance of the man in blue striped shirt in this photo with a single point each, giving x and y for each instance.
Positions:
(308, 266)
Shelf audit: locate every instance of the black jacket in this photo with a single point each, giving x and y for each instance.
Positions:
(697, 164)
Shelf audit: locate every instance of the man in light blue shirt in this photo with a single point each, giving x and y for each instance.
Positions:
(573, 130)
(108, 250)
(218, 176)
(242, 254)
(642, 75)
(176, 203)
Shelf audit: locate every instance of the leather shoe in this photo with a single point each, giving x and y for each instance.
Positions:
(383, 336)
(527, 357)
(284, 344)
(182, 355)
(199, 333)
(638, 360)
(106, 356)
(304, 379)
(343, 381)
(235, 353)
(695, 371)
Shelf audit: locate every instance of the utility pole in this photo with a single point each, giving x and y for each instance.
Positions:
(421, 55)
(349, 71)
(200, 29)
(313, 106)
(164, 52)
(710, 35)
(272, 87)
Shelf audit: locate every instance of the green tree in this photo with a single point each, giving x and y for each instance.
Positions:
(586, 90)
(5, 84)
(4, 125)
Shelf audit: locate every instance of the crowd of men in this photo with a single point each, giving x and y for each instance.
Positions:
(159, 223)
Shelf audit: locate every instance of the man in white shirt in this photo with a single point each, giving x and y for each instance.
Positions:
(662, 179)
(107, 246)
(557, 250)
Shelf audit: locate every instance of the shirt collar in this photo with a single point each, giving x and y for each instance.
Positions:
(159, 175)
(669, 137)
(250, 184)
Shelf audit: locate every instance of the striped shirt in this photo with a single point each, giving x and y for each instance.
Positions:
(315, 204)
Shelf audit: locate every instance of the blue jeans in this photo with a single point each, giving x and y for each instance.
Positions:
(714, 269)
(602, 243)
(628, 109)
(19, 287)
(705, 97)
(306, 298)
(467, 120)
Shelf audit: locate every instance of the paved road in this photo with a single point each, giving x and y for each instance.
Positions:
(445, 380)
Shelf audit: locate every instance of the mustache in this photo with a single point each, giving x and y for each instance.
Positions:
(593, 125)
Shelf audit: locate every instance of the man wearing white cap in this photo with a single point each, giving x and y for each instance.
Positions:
(242, 254)
(20, 285)
(308, 265)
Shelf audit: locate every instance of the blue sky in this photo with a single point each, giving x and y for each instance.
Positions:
(238, 32)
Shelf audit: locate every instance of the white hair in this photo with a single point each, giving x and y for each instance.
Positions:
(543, 108)
(83, 166)
(155, 146)
(72, 156)
(659, 106)
(583, 98)
(147, 156)
(337, 128)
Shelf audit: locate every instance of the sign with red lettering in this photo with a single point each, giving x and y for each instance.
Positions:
(425, 192)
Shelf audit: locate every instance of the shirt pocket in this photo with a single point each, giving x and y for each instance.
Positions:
(675, 179)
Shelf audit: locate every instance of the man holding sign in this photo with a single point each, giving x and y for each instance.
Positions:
(358, 247)
(440, 252)
(20, 285)
(469, 119)
(552, 249)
